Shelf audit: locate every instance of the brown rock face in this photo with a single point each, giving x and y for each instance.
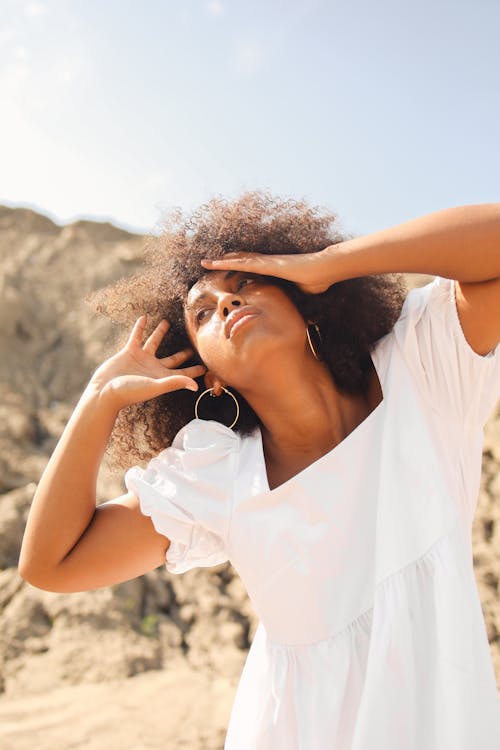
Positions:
(120, 666)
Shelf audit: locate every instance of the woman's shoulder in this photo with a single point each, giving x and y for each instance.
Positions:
(203, 434)
(435, 295)
(211, 449)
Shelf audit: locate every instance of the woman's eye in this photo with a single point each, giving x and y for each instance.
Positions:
(242, 282)
(200, 315)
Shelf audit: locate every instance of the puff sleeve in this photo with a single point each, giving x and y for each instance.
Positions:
(187, 490)
(458, 383)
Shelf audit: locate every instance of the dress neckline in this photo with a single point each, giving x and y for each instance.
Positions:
(337, 449)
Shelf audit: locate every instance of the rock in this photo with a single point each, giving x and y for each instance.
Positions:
(14, 507)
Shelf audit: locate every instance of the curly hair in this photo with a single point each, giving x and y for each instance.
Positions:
(352, 314)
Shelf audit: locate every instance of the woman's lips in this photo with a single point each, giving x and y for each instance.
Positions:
(236, 315)
(241, 321)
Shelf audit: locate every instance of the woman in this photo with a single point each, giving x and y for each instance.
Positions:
(338, 473)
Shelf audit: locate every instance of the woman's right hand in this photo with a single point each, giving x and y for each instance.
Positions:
(135, 374)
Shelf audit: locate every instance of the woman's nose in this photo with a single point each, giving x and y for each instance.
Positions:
(227, 302)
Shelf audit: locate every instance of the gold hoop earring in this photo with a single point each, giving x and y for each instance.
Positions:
(210, 391)
(318, 334)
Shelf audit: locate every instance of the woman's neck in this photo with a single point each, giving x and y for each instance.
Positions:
(307, 415)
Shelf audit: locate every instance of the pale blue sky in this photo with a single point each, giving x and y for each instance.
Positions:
(378, 111)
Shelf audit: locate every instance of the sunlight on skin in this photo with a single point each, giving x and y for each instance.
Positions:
(310, 271)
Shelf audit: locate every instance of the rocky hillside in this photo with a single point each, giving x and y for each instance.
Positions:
(103, 668)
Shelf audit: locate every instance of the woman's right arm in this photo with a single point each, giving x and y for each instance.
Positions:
(69, 543)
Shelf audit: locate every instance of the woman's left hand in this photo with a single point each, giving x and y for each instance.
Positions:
(310, 271)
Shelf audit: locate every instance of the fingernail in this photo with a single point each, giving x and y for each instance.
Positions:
(192, 387)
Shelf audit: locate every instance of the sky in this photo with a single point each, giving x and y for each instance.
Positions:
(379, 112)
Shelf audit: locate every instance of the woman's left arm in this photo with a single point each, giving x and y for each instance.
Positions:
(461, 243)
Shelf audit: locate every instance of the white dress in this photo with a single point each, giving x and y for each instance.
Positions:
(371, 634)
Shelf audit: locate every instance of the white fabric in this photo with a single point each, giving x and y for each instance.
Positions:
(371, 632)
(194, 473)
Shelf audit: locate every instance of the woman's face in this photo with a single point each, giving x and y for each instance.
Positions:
(243, 326)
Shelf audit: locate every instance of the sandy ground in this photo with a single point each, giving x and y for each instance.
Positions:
(156, 710)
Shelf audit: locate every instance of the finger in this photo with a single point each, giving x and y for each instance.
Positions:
(193, 372)
(174, 360)
(154, 340)
(260, 263)
(176, 382)
(136, 333)
(240, 262)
